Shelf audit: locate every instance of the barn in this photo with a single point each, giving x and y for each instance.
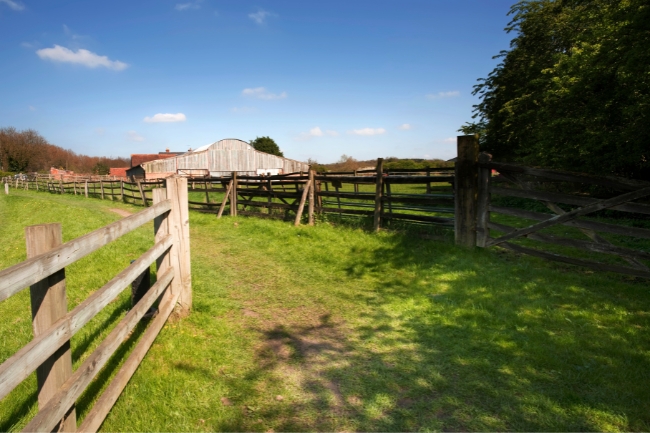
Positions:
(221, 159)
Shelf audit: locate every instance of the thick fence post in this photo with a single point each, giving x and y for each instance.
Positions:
(483, 201)
(161, 229)
(101, 188)
(379, 187)
(122, 191)
(86, 188)
(49, 303)
(312, 185)
(6, 188)
(233, 196)
(179, 227)
(466, 190)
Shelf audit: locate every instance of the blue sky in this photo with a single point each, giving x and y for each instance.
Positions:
(323, 78)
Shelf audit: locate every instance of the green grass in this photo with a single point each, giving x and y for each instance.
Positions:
(355, 331)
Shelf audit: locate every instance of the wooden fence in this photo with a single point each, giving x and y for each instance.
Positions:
(49, 353)
(570, 199)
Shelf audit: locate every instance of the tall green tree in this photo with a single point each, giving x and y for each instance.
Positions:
(573, 90)
(266, 145)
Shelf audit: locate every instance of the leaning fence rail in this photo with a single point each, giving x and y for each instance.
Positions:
(49, 351)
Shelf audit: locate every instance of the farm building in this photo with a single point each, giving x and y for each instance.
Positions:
(221, 159)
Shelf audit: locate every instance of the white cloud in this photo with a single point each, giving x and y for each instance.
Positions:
(331, 133)
(367, 131)
(13, 5)
(189, 5)
(260, 16)
(134, 136)
(262, 93)
(165, 118)
(26, 45)
(405, 126)
(32, 108)
(81, 56)
(441, 95)
(450, 140)
(316, 132)
(243, 110)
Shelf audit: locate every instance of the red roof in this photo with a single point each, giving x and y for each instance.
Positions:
(139, 158)
(120, 172)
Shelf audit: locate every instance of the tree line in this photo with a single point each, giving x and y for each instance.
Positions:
(573, 90)
(27, 151)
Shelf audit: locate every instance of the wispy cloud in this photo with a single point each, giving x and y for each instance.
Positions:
(260, 16)
(134, 136)
(441, 95)
(27, 45)
(13, 5)
(165, 118)
(368, 131)
(101, 131)
(316, 132)
(450, 140)
(71, 34)
(243, 110)
(81, 57)
(262, 93)
(196, 4)
(405, 126)
(32, 108)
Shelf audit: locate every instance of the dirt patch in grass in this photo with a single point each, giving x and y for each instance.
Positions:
(121, 212)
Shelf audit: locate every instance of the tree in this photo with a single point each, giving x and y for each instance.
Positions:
(101, 168)
(266, 145)
(573, 91)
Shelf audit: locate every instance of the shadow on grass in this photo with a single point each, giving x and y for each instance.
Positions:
(468, 340)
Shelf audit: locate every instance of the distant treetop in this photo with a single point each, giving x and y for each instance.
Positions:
(266, 145)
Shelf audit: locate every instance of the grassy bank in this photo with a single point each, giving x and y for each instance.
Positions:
(333, 328)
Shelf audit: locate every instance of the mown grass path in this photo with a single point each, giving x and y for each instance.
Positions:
(333, 328)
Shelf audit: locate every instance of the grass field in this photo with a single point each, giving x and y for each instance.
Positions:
(334, 328)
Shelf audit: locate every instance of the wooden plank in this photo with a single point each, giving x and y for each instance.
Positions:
(598, 266)
(101, 189)
(466, 190)
(422, 218)
(49, 304)
(103, 405)
(301, 206)
(311, 197)
(576, 243)
(46, 419)
(580, 224)
(86, 189)
(607, 181)
(567, 199)
(403, 180)
(20, 365)
(379, 181)
(603, 204)
(143, 197)
(225, 199)
(483, 201)
(179, 228)
(233, 195)
(17, 277)
(387, 199)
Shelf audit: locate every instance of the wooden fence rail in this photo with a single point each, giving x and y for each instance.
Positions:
(49, 352)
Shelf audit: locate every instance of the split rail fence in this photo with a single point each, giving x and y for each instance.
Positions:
(49, 352)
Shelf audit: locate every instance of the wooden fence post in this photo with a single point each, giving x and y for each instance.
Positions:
(483, 201)
(122, 190)
(179, 227)
(466, 190)
(233, 196)
(101, 188)
(86, 188)
(379, 186)
(49, 303)
(144, 198)
(6, 188)
(311, 197)
(61, 185)
(301, 206)
(161, 229)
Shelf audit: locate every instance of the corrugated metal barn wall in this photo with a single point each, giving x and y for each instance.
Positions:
(226, 156)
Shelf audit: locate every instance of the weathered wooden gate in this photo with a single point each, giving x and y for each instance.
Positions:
(49, 351)
(573, 191)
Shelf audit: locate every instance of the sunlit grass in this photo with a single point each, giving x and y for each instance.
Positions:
(370, 332)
